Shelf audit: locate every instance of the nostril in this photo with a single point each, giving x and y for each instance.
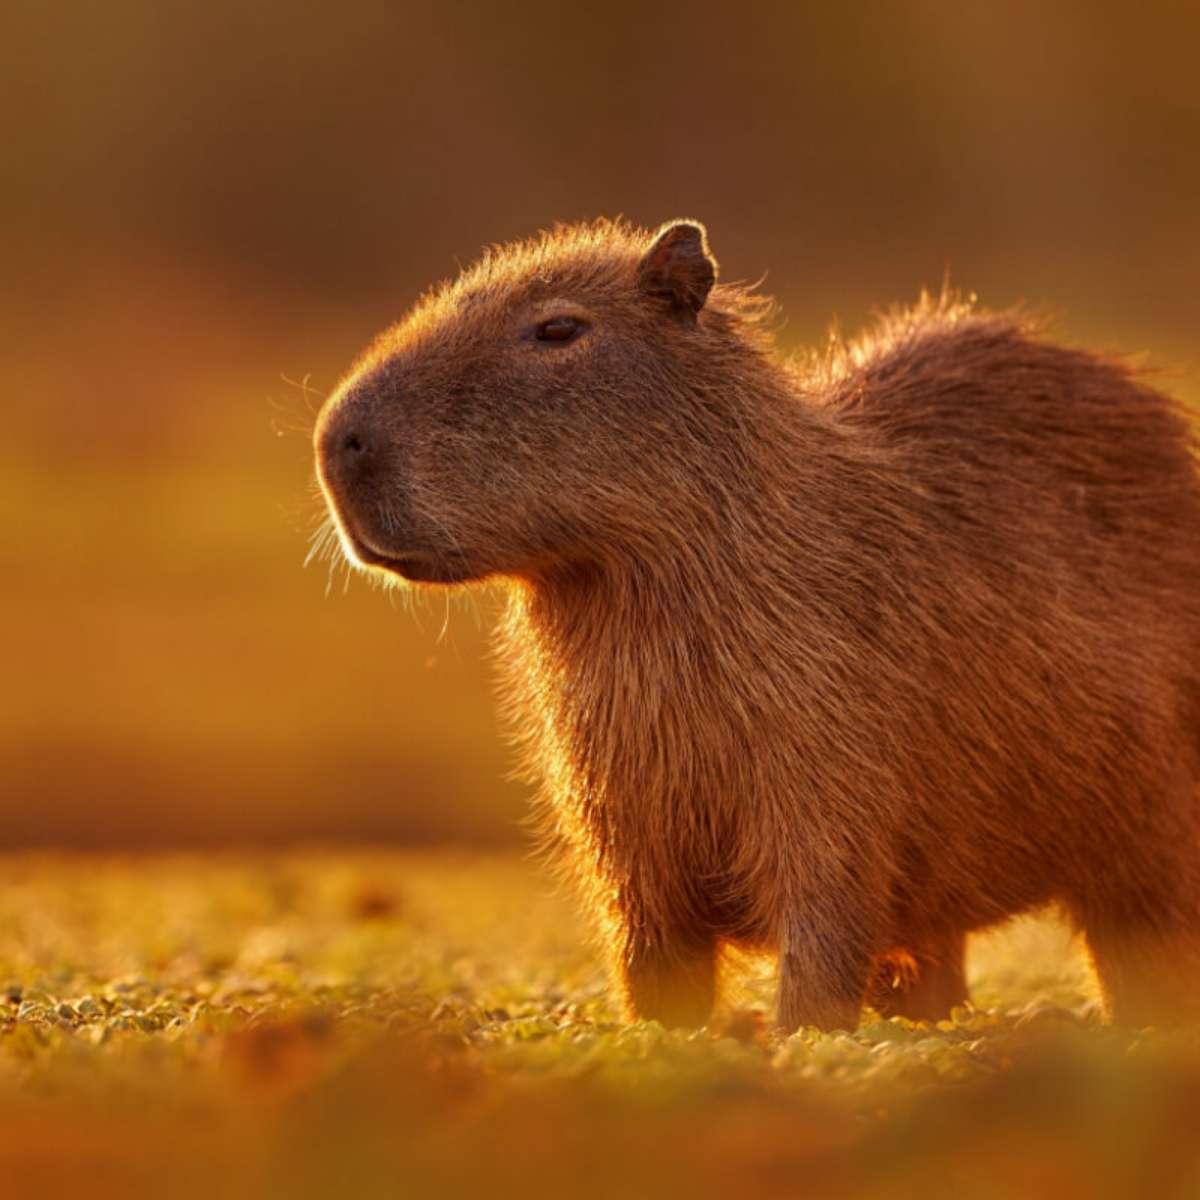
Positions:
(348, 443)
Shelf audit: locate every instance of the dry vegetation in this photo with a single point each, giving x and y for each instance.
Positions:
(366, 1024)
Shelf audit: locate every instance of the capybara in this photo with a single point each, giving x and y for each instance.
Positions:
(840, 658)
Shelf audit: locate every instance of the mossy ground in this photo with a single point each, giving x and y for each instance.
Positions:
(366, 1024)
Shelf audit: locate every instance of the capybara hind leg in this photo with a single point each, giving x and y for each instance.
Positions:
(671, 983)
(921, 984)
(822, 978)
(1149, 971)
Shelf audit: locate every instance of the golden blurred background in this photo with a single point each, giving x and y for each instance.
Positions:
(209, 207)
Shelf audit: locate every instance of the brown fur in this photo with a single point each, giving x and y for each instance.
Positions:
(845, 658)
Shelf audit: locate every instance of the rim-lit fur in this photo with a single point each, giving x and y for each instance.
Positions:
(843, 660)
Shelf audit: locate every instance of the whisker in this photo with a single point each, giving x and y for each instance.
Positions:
(320, 541)
(285, 420)
(306, 391)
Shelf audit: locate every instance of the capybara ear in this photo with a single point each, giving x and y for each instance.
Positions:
(678, 269)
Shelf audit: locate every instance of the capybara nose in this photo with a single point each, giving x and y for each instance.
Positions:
(353, 448)
(348, 449)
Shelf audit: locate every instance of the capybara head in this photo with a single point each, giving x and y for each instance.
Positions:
(545, 407)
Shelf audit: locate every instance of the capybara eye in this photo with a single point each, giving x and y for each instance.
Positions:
(559, 329)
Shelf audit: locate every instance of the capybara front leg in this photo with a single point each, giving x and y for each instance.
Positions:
(922, 983)
(823, 973)
(672, 980)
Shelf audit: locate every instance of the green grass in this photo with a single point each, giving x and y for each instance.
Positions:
(430, 1025)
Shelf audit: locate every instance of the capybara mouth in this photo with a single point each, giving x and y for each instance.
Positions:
(416, 566)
